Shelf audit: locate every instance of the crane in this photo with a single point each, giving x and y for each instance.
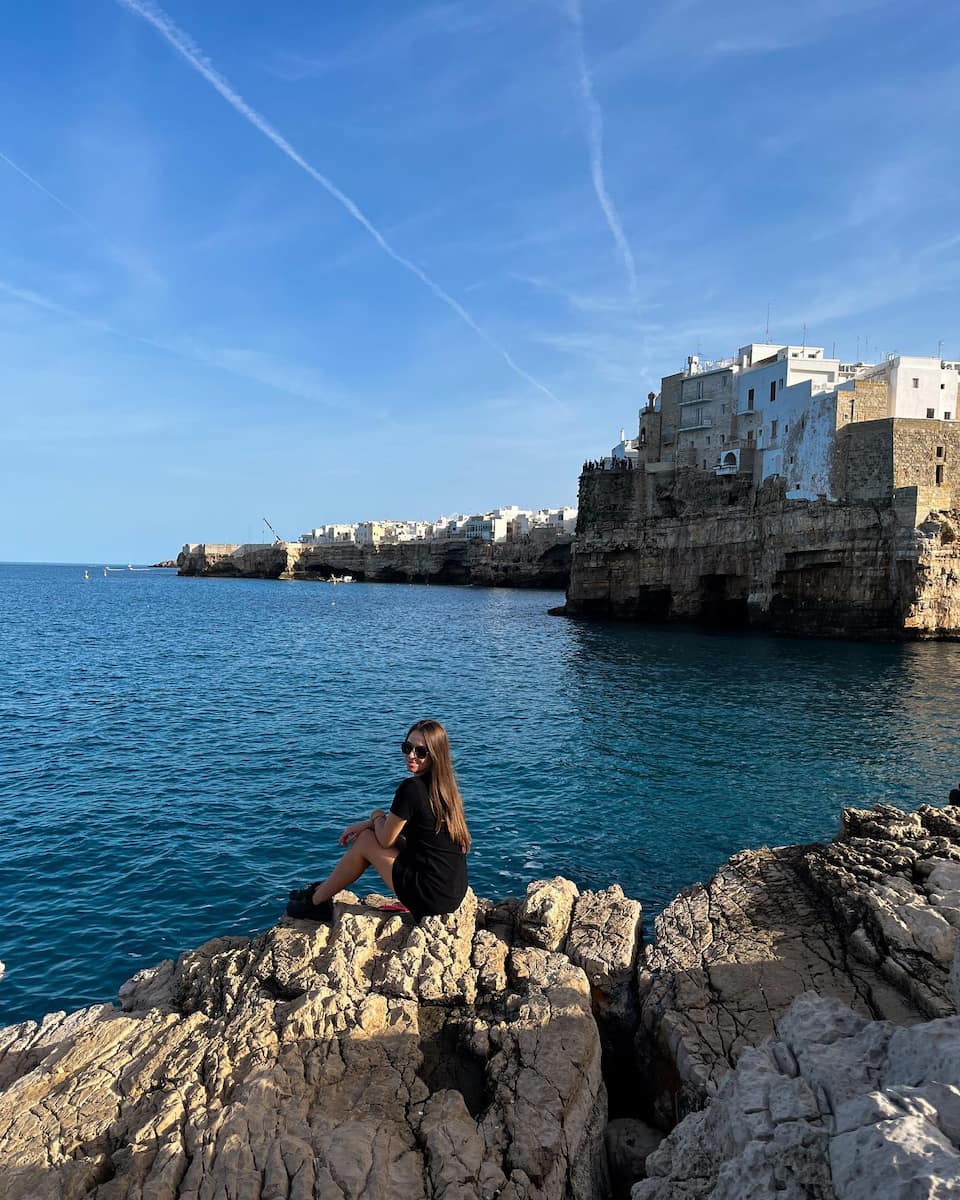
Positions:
(273, 531)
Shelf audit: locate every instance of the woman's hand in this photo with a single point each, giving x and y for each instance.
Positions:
(352, 832)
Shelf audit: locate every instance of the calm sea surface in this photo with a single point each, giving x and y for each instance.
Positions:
(176, 753)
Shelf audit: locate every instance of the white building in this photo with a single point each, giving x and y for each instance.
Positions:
(722, 405)
(556, 520)
(485, 528)
(328, 535)
(919, 387)
(800, 427)
(626, 448)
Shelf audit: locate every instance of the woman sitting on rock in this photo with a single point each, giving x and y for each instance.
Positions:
(419, 846)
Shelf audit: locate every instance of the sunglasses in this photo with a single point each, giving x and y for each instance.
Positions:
(421, 752)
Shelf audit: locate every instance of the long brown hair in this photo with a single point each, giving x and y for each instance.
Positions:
(445, 799)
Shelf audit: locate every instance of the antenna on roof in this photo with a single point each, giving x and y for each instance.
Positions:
(803, 344)
(766, 332)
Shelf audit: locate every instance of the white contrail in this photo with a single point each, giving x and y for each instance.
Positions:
(46, 191)
(189, 50)
(595, 142)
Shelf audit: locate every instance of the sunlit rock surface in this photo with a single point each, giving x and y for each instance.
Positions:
(793, 1030)
(376, 1058)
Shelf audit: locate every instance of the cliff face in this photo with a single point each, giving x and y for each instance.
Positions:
(701, 547)
(535, 562)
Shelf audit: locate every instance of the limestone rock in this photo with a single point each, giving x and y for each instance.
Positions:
(835, 1107)
(544, 916)
(605, 939)
(863, 919)
(686, 545)
(375, 1058)
(540, 560)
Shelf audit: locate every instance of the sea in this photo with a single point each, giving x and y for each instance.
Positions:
(177, 753)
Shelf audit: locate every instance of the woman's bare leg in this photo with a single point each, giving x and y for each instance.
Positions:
(365, 852)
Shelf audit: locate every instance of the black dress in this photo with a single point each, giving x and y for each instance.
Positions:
(430, 872)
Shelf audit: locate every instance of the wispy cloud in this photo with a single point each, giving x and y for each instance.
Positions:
(390, 41)
(192, 54)
(594, 119)
(244, 363)
(134, 262)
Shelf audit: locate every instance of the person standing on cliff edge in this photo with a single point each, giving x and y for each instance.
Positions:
(419, 847)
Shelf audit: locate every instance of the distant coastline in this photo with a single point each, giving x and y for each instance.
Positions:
(532, 562)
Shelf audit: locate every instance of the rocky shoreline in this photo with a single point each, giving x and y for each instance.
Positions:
(792, 1031)
(537, 561)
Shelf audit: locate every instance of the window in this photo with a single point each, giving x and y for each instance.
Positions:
(723, 410)
(929, 413)
(786, 429)
(780, 383)
(939, 476)
(773, 390)
(749, 435)
(773, 431)
(915, 382)
(708, 439)
(939, 452)
(946, 416)
(723, 438)
(750, 400)
(791, 460)
(699, 389)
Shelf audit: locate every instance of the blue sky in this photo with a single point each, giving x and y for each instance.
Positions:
(335, 262)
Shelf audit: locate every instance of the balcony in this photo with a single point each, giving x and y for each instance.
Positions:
(703, 423)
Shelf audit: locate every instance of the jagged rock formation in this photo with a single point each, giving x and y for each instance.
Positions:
(376, 1059)
(835, 1107)
(536, 562)
(696, 547)
(800, 1009)
(872, 919)
(851, 1094)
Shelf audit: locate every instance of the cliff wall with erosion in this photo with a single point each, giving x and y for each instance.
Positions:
(791, 1034)
(695, 546)
(534, 562)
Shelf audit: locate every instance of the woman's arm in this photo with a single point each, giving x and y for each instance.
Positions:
(387, 827)
(377, 821)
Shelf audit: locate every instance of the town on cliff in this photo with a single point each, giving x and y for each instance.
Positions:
(778, 488)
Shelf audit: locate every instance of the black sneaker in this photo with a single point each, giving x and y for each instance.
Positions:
(300, 906)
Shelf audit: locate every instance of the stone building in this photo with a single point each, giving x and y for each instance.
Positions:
(924, 388)
(788, 490)
(710, 416)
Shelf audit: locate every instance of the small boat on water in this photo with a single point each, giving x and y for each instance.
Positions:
(341, 579)
(86, 574)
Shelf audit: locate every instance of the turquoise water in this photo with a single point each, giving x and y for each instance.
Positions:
(177, 752)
